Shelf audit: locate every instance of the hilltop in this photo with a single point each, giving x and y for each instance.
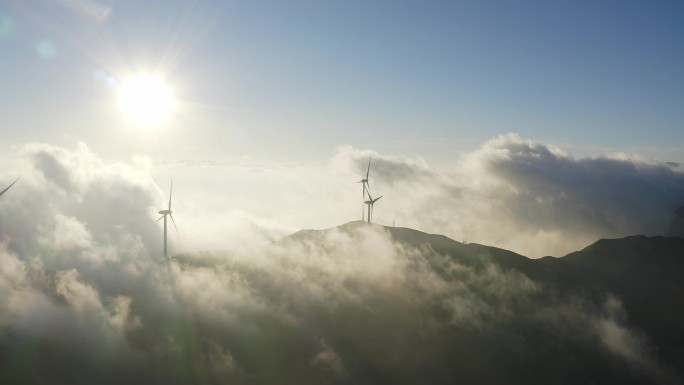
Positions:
(369, 304)
(644, 274)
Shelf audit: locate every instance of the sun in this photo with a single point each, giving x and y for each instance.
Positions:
(146, 99)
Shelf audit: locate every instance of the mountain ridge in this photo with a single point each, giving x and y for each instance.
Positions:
(423, 305)
(644, 273)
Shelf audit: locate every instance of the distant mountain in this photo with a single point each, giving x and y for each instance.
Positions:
(644, 274)
(677, 226)
(356, 304)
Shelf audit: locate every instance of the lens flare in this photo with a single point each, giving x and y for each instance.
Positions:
(146, 99)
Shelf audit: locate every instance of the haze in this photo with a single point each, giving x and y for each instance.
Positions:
(278, 104)
(535, 127)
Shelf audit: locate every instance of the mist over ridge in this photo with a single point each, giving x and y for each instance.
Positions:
(355, 303)
(86, 298)
(517, 194)
(179, 195)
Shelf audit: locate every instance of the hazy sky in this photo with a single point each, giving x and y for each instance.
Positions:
(292, 80)
(281, 102)
(534, 126)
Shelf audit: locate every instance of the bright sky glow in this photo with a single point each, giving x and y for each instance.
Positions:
(294, 80)
(202, 90)
(146, 100)
(532, 126)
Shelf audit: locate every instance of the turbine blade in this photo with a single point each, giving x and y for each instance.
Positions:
(170, 192)
(8, 187)
(160, 218)
(378, 198)
(368, 170)
(174, 224)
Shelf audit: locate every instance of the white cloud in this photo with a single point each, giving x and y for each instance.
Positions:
(529, 197)
(525, 196)
(80, 265)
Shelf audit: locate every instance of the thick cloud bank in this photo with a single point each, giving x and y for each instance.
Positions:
(347, 306)
(528, 197)
(86, 298)
(512, 193)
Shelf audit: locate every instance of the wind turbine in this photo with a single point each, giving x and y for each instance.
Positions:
(370, 202)
(8, 187)
(366, 187)
(164, 213)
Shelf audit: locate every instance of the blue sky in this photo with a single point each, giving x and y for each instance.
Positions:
(538, 127)
(295, 79)
(280, 104)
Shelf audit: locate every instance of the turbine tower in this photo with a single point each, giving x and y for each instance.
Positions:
(370, 202)
(8, 187)
(164, 213)
(366, 188)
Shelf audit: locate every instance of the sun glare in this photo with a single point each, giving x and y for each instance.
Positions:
(146, 99)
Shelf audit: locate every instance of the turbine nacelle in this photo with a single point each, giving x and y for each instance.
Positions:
(164, 213)
(366, 191)
(366, 188)
(372, 201)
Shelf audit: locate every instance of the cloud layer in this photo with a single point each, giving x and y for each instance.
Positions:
(525, 196)
(86, 298)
